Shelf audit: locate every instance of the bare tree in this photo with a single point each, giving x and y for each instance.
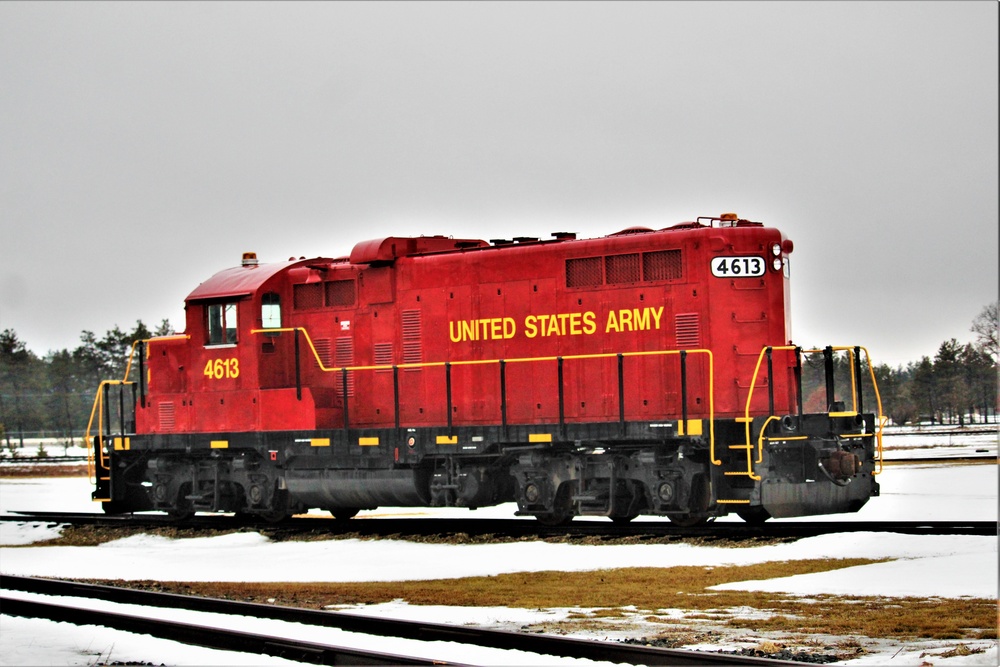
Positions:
(986, 326)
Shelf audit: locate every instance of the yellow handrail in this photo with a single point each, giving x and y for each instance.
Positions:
(98, 409)
(475, 362)
(98, 405)
(880, 418)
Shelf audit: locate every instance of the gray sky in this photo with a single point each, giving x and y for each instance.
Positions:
(144, 146)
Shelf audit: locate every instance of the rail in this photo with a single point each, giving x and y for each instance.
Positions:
(684, 424)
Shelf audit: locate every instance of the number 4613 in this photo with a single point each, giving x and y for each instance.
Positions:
(217, 369)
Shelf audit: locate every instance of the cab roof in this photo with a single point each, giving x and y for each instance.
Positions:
(238, 280)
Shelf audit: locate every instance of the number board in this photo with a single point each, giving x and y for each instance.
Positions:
(737, 267)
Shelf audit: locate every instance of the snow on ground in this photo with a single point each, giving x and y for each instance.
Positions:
(252, 557)
(33, 641)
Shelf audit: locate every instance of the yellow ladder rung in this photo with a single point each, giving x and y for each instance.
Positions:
(740, 446)
(746, 473)
(733, 502)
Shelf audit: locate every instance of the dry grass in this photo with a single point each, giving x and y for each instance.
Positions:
(644, 591)
(14, 470)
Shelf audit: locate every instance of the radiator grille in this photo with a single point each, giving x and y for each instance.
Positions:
(167, 417)
(586, 272)
(621, 269)
(322, 346)
(413, 349)
(688, 330)
(383, 356)
(345, 357)
(340, 293)
(307, 296)
(661, 265)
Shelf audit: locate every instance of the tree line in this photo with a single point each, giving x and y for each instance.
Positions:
(53, 395)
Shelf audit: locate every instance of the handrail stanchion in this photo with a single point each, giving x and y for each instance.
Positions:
(621, 392)
(828, 368)
(770, 381)
(395, 393)
(797, 374)
(133, 424)
(860, 406)
(347, 421)
(503, 397)
(298, 370)
(121, 411)
(107, 410)
(562, 399)
(684, 394)
(447, 384)
(142, 373)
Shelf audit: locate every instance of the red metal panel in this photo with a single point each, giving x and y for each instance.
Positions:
(434, 299)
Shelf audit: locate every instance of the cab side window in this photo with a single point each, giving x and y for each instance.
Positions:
(270, 311)
(222, 324)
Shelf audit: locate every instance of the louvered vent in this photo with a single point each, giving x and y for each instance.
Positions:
(584, 272)
(345, 357)
(621, 269)
(167, 418)
(688, 330)
(322, 346)
(413, 349)
(383, 356)
(662, 265)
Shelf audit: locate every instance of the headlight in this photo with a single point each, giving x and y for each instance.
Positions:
(776, 249)
(777, 264)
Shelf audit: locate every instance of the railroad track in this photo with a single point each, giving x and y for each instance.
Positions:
(22, 460)
(513, 528)
(77, 611)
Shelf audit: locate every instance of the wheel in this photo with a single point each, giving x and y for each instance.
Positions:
(689, 520)
(554, 518)
(755, 516)
(180, 516)
(344, 513)
(562, 512)
(274, 516)
(698, 502)
(622, 520)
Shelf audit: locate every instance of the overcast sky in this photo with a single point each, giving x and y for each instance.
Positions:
(145, 146)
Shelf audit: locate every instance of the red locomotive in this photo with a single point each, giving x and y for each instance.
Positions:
(645, 372)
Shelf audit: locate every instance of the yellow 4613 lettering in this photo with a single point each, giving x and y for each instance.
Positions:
(217, 369)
